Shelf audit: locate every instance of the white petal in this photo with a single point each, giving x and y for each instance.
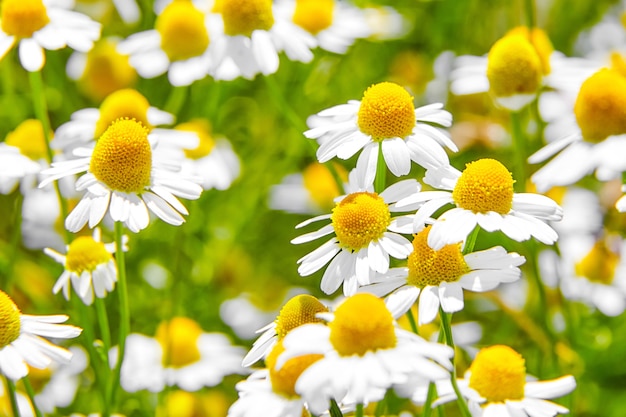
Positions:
(428, 304)
(451, 297)
(396, 156)
(31, 55)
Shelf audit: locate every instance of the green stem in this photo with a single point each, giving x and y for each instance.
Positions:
(176, 100)
(381, 171)
(519, 150)
(359, 410)
(103, 322)
(430, 397)
(447, 330)
(335, 411)
(13, 397)
(530, 13)
(412, 322)
(31, 395)
(470, 242)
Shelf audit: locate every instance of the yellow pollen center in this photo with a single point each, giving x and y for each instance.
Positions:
(432, 267)
(359, 219)
(362, 324)
(22, 18)
(122, 158)
(106, 71)
(183, 32)
(600, 107)
(540, 41)
(485, 185)
(314, 15)
(299, 310)
(599, 264)
(284, 380)
(498, 374)
(29, 139)
(321, 185)
(179, 340)
(126, 103)
(203, 130)
(85, 254)
(386, 111)
(242, 17)
(10, 321)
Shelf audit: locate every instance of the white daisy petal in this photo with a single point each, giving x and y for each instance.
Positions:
(428, 304)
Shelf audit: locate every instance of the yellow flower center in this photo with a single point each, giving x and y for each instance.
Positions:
(321, 184)
(85, 254)
(540, 41)
(183, 31)
(359, 219)
(29, 139)
(10, 321)
(181, 404)
(179, 340)
(498, 374)
(599, 264)
(314, 15)
(22, 18)
(242, 17)
(39, 378)
(127, 103)
(284, 380)
(122, 158)
(432, 267)
(600, 107)
(106, 71)
(386, 111)
(485, 185)
(202, 128)
(362, 324)
(299, 310)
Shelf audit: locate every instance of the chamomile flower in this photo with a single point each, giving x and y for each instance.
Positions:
(496, 385)
(386, 117)
(89, 267)
(22, 340)
(36, 25)
(364, 353)
(483, 196)
(124, 178)
(363, 238)
(438, 277)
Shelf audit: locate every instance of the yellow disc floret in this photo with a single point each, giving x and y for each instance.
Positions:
(540, 41)
(498, 374)
(359, 219)
(106, 71)
(362, 324)
(202, 128)
(10, 321)
(299, 310)
(183, 32)
(179, 340)
(28, 137)
(284, 380)
(85, 254)
(485, 185)
(599, 264)
(321, 184)
(600, 107)
(122, 158)
(126, 103)
(22, 18)
(432, 267)
(314, 15)
(386, 111)
(242, 17)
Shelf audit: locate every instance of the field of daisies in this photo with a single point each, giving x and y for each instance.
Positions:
(295, 208)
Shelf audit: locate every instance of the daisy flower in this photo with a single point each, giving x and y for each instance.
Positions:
(482, 195)
(438, 277)
(123, 178)
(364, 238)
(497, 385)
(364, 353)
(22, 340)
(387, 118)
(43, 24)
(89, 267)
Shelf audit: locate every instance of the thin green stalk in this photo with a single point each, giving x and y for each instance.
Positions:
(31, 395)
(446, 328)
(13, 397)
(414, 328)
(103, 322)
(530, 13)
(359, 410)
(519, 150)
(381, 171)
(176, 99)
(430, 397)
(470, 242)
(335, 411)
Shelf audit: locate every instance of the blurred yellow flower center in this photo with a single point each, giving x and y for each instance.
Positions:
(362, 324)
(183, 32)
(29, 139)
(122, 158)
(21, 18)
(39, 378)
(106, 71)
(180, 404)
(498, 374)
(126, 103)
(321, 185)
(10, 321)
(599, 264)
(386, 111)
(485, 185)
(359, 219)
(202, 129)
(284, 380)
(540, 41)
(432, 267)
(85, 254)
(314, 15)
(179, 340)
(299, 310)
(242, 17)
(600, 107)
